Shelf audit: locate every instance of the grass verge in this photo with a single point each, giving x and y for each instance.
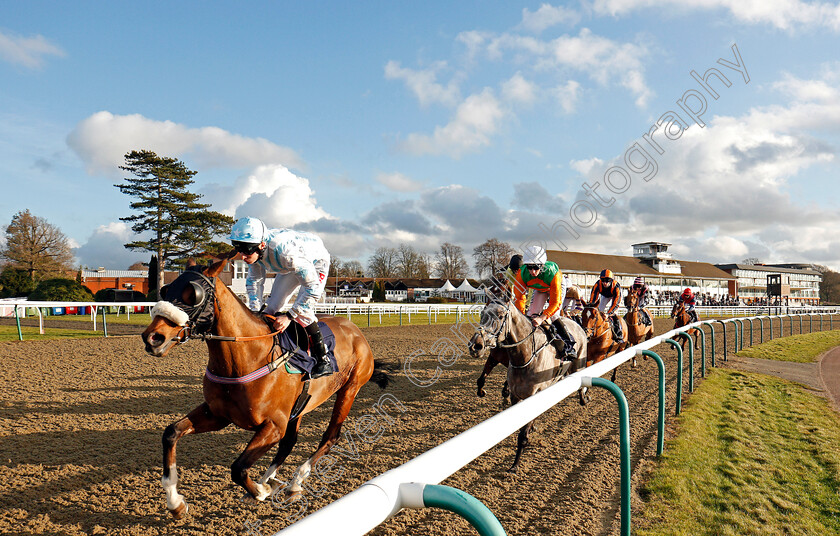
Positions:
(10, 333)
(803, 348)
(754, 455)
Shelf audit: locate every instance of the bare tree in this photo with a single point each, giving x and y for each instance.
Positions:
(335, 267)
(450, 262)
(36, 246)
(751, 261)
(352, 269)
(384, 262)
(491, 256)
(411, 263)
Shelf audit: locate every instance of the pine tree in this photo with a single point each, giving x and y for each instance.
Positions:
(177, 224)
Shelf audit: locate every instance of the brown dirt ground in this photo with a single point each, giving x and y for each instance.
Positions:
(81, 422)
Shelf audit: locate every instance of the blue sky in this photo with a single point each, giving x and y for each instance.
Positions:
(380, 123)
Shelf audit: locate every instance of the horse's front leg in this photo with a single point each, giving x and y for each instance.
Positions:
(198, 421)
(489, 365)
(521, 443)
(283, 450)
(266, 437)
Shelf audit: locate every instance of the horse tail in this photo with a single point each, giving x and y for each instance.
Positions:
(380, 376)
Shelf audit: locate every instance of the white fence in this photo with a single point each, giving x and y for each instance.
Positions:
(380, 498)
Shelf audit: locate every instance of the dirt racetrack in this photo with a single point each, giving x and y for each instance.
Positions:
(81, 424)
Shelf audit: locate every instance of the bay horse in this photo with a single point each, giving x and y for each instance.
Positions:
(637, 331)
(601, 345)
(682, 318)
(533, 364)
(250, 387)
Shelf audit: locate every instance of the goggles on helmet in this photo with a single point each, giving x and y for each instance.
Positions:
(245, 248)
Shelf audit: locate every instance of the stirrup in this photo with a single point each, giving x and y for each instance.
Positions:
(322, 368)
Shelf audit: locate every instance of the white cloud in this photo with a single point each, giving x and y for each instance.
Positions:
(424, 83)
(519, 90)
(783, 14)
(27, 51)
(103, 139)
(272, 193)
(106, 247)
(475, 121)
(399, 182)
(742, 186)
(567, 95)
(807, 90)
(547, 16)
(601, 59)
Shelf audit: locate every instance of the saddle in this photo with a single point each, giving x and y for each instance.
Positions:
(294, 341)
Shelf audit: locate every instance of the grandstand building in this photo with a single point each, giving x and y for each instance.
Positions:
(665, 275)
(797, 284)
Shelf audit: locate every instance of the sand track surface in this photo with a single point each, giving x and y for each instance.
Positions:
(81, 424)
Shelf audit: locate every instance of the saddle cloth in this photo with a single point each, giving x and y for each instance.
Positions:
(295, 341)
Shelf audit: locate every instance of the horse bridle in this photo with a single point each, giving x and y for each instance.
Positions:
(498, 337)
(590, 332)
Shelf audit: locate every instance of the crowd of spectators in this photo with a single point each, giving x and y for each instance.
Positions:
(669, 297)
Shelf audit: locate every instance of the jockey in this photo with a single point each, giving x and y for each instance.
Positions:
(572, 304)
(687, 297)
(513, 268)
(301, 262)
(641, 289)
(545, 278)
(607, 292)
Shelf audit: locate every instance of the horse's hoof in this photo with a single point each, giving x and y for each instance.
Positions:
(513, 469)
(633, 363)
(180, 511)
(481, 393)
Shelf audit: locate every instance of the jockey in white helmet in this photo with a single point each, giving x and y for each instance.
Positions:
(301, 262)
(546, 280)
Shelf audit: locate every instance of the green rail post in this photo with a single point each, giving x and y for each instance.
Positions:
(679, 371)
(368, 315)
(800, 323)
(466, 506)
(810, 322)
(771, 327)
(17, 321)
(821, 317)
(712, 328)
(750, 320)
(722, 323)
(690, 361)
(104, 322)
(702, 350)
(660, 437)
(400, 316)
(624, 445)
(736, 323)
(761, 321)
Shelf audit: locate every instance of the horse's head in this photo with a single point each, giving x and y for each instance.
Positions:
(491, 325)
(630, 300)
(677, 309)
(188, 308)
(591, 319)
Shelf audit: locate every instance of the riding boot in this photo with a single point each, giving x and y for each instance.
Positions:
(318, 349)
(568, 349)
(617, 330)
(645, 317)
(693, 315)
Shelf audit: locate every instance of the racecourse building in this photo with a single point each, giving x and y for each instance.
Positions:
(665, 276)
(795, 284)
